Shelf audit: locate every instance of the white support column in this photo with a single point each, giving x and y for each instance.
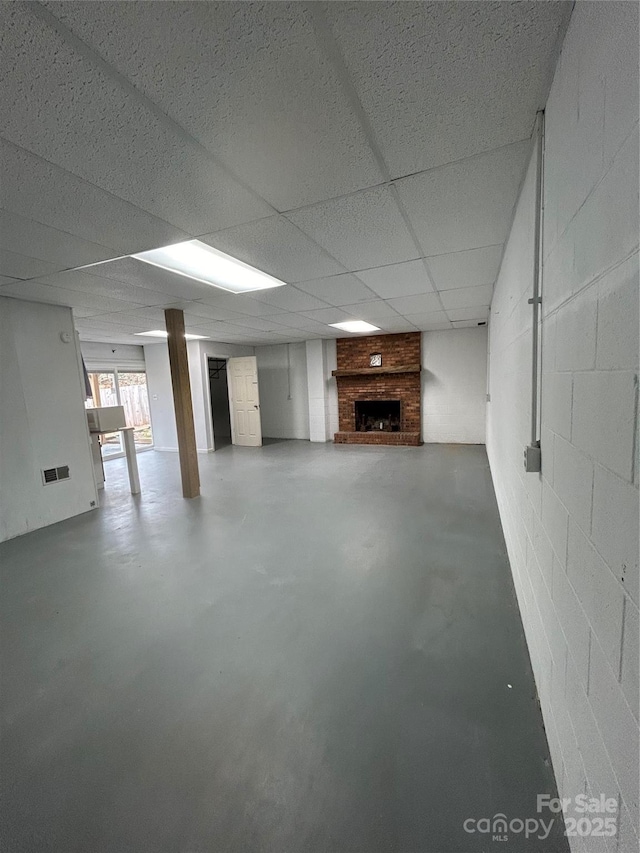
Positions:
(318, 391)
(132, 460)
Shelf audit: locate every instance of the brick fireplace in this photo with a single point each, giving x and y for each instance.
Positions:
(379, 389)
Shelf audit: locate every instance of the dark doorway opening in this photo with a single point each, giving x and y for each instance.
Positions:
(220, 414)
(377, 415)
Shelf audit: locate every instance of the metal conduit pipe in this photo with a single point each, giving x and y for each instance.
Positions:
(532, 453)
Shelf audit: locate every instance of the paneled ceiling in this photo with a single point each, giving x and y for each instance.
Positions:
(368, 154)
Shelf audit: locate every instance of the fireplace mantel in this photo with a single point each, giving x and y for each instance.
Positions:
(376, 371)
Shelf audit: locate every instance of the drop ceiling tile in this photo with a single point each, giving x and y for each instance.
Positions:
(338, 289)
(261, 324)
(396, 280)
(422, 303)
(35, 292)
(277, 247)
(289, 299)
(430, 326)
(465, 269)
(250, 82)
(141, 274)
(371, 311)
(238, 303)
(477, 313)
(97, 327)
(36, 189)
(328, 315)
(204, 312)
(84, 282)
(136, 319)
(277, 338)
(361, 231)
(421, 320)
(467, 297)
(301, 323)
(61, 250)
(442, 81)
(467, 204)
(103, 334)
(401, 324)
(21, 267)
(69, 110)
(240, 331)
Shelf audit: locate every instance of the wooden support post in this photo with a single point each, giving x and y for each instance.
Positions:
(182, 403)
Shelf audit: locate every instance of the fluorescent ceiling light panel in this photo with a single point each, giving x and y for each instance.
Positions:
(198, 261)
(355, 326)
(160, 333)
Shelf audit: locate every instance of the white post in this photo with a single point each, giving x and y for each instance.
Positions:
(132, 462)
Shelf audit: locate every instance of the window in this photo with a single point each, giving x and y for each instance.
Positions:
(127, 389)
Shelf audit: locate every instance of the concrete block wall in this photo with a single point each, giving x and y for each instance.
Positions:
(318, 373)
(572, 532)
(454, 386)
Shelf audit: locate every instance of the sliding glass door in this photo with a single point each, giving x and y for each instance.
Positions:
(128, 389)
(132, 391)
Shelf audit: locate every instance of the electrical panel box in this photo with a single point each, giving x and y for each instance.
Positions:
(106, 419)
(532, 458)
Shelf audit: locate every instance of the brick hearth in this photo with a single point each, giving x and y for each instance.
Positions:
(401, 356)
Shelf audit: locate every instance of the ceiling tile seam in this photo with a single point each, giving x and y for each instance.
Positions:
(331, 50)
(464, 251)
(135, 207)
(416, 241)
(60, 231)
(460, 160)
(94, 57)
(355, 272)
(158, 293)
(412, 261)
(169, 297)
(280, 215)
(238, 322)
(301, 292)
(523, 178)
(391, 181)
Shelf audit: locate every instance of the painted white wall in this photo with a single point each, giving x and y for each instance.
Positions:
(163, 421)
(42, 418)
(99, 356)
(454, 386)
(282, 379)
(572, 532)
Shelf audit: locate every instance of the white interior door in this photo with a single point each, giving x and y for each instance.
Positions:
(245, 401)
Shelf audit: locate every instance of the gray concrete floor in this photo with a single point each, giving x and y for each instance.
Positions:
(313, 656)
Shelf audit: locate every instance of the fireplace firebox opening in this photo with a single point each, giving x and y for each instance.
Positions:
(377, 415)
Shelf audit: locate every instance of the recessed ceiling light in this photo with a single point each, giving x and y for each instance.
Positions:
(160, 333)
(355, 326)
(201, 262)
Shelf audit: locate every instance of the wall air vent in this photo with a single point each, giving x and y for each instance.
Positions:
(53, 475)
